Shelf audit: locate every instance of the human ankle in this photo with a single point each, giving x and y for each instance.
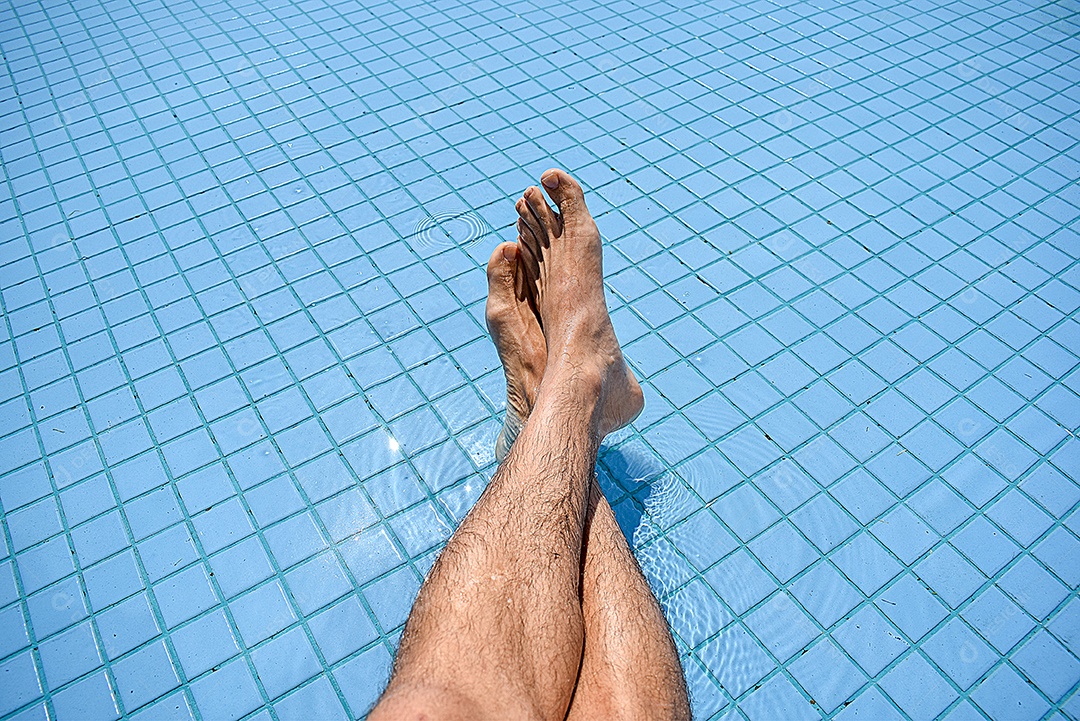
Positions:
(576, 388)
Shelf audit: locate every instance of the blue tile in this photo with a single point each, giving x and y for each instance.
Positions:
(144, 676)
(241, 567)
(1030, 585)
(860, 436)
(681, 384)
(974, 480)
(1048, 664)
(420, 529)
(203, 489)
(166, 552)
(786, 485)
(913, 609)
(706, 698)
(262, 613)
(13, 636)
(964, 421)
(736, 660)
(174, 707)
(1059, 553)
(823, 405)
(824, 460)
(342, 630)
(895, 413)
(694, 613)
(391, 597)
(746, 512)
(664, 569)
(702, 540)
(827, 675)
(870, 640)
(150, 513)
(99, 538)
(871, 704)
(783, 551)
(273, 500)
(899, 470)
(949, 575)
(34, 524)
(931, 445)
(316, 700)
(1005, 454)
(317, 582)
(44, 564)
(710, 474)
(940, 506)
(86, 500)
(69, 655)
(184, 595)
(21, 680)
(363, 678)
(1005, 695)
(866, 563)
(675, 439)
(739, 582)
(230, 693)
(204, 644)
(294, 539)
(1051, 489)
(826, 594)
(997, 619)
(777, 698)
(960, 653)
(127, 625)
(782, 627)
(904, 534)
(786, 426)
(1019, 517)
(285, 662)
(112, 580)
(862, 496)
(985, 545)
(56, 607)
(917, 689)
(370, 554)
(89, 698)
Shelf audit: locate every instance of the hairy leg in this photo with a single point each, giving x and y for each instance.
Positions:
(497, 629)
(630, 667)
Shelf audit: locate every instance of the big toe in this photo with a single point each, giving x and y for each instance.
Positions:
(565, 192)
(502, 274)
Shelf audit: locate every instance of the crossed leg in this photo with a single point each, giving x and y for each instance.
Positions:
(536, 608)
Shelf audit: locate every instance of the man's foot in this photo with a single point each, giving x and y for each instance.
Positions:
(561, 253)
(516, 332)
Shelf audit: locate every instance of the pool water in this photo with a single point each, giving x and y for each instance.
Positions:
(247, 393)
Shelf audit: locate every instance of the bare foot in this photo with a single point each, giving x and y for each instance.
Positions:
(516, 332)
(561, 253)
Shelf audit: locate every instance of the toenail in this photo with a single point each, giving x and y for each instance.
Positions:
(509, 252)
(551, 181)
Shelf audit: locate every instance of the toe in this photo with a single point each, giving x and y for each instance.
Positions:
(545, 216)
(529, 255)
(501, 267)
(528, 223)
(565, 191)
(503, 282)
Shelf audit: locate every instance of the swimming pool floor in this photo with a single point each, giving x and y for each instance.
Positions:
(246, 392)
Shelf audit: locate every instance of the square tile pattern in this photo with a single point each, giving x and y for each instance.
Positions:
(246, 393)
